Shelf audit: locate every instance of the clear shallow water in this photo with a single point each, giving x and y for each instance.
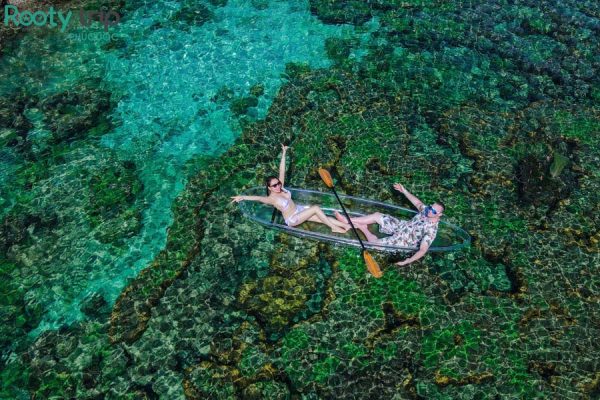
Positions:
(164, 80)
(488, 105)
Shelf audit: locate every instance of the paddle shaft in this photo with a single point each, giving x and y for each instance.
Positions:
(347, 216)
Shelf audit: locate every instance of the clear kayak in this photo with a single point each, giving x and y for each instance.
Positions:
(449, 237)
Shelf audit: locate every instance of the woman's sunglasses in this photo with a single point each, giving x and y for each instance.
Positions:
(275, 185)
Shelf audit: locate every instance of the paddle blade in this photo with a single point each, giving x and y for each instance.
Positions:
(372, 265)
(326, 177)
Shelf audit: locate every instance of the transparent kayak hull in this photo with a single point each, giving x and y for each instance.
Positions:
(449, 237)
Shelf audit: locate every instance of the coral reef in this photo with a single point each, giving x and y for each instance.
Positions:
(490, 106)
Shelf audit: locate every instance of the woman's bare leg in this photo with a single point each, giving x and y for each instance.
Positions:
(374, 218)
(362, 223)
(316, 211)
(334, 221)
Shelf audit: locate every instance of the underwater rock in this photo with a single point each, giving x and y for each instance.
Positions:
(260, 4)
(590, 385)
(223, 94)
(21, 223)
(341, 11)
(559, 162)
(209, 379)
(276, 300)
(536, 185)
(71, 114)
(81, 348)
(95, 306)
(132, 309)
(114, 192)
(14, 125)
(18, 315)
(444, 380)
(257, 90)
(266, 389)
(296, 70)
(193, 13)
(7, 137)
(241, 105)
(117, 43)
(338, 50)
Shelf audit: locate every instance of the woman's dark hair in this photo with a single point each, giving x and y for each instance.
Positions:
(268, 180)
(441, 204)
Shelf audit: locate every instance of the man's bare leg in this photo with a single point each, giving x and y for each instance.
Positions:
(365, 230)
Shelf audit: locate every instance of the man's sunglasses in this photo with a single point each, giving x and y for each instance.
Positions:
(275, 185)
(429, 208)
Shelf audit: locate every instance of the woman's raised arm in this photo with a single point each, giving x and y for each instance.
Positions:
(282, 164)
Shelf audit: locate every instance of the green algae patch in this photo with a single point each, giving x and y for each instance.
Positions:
(578, 126)
(14, 377)
(511, 365)
(386, 351)
(327, 363)
(252, 361)
(533, 19)
(71, 115)
(275, 300)
(113, 193)
(405, 296)
(472, 272)
(294, 342)
(17, 314)
(341, 12)
(296, 69)
(293, 345)
(354, 350)
(241, 105)
(465, 354)
(338, 49)
(368, 139)
(266, 390)
(325, 368)
(208, 379)
(446, 344)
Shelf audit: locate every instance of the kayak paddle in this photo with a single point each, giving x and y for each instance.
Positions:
(371, 263)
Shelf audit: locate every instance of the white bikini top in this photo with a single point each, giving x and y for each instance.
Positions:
(284, 203)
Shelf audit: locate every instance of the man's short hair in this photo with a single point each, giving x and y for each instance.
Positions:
(441, 204)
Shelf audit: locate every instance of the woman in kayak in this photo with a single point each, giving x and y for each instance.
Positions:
(293, 214)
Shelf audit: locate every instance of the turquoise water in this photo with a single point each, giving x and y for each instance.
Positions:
(164, 80)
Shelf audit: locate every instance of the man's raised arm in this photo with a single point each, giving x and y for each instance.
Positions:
(415, 202)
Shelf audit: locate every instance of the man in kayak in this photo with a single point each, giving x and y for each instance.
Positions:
(418, 232)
